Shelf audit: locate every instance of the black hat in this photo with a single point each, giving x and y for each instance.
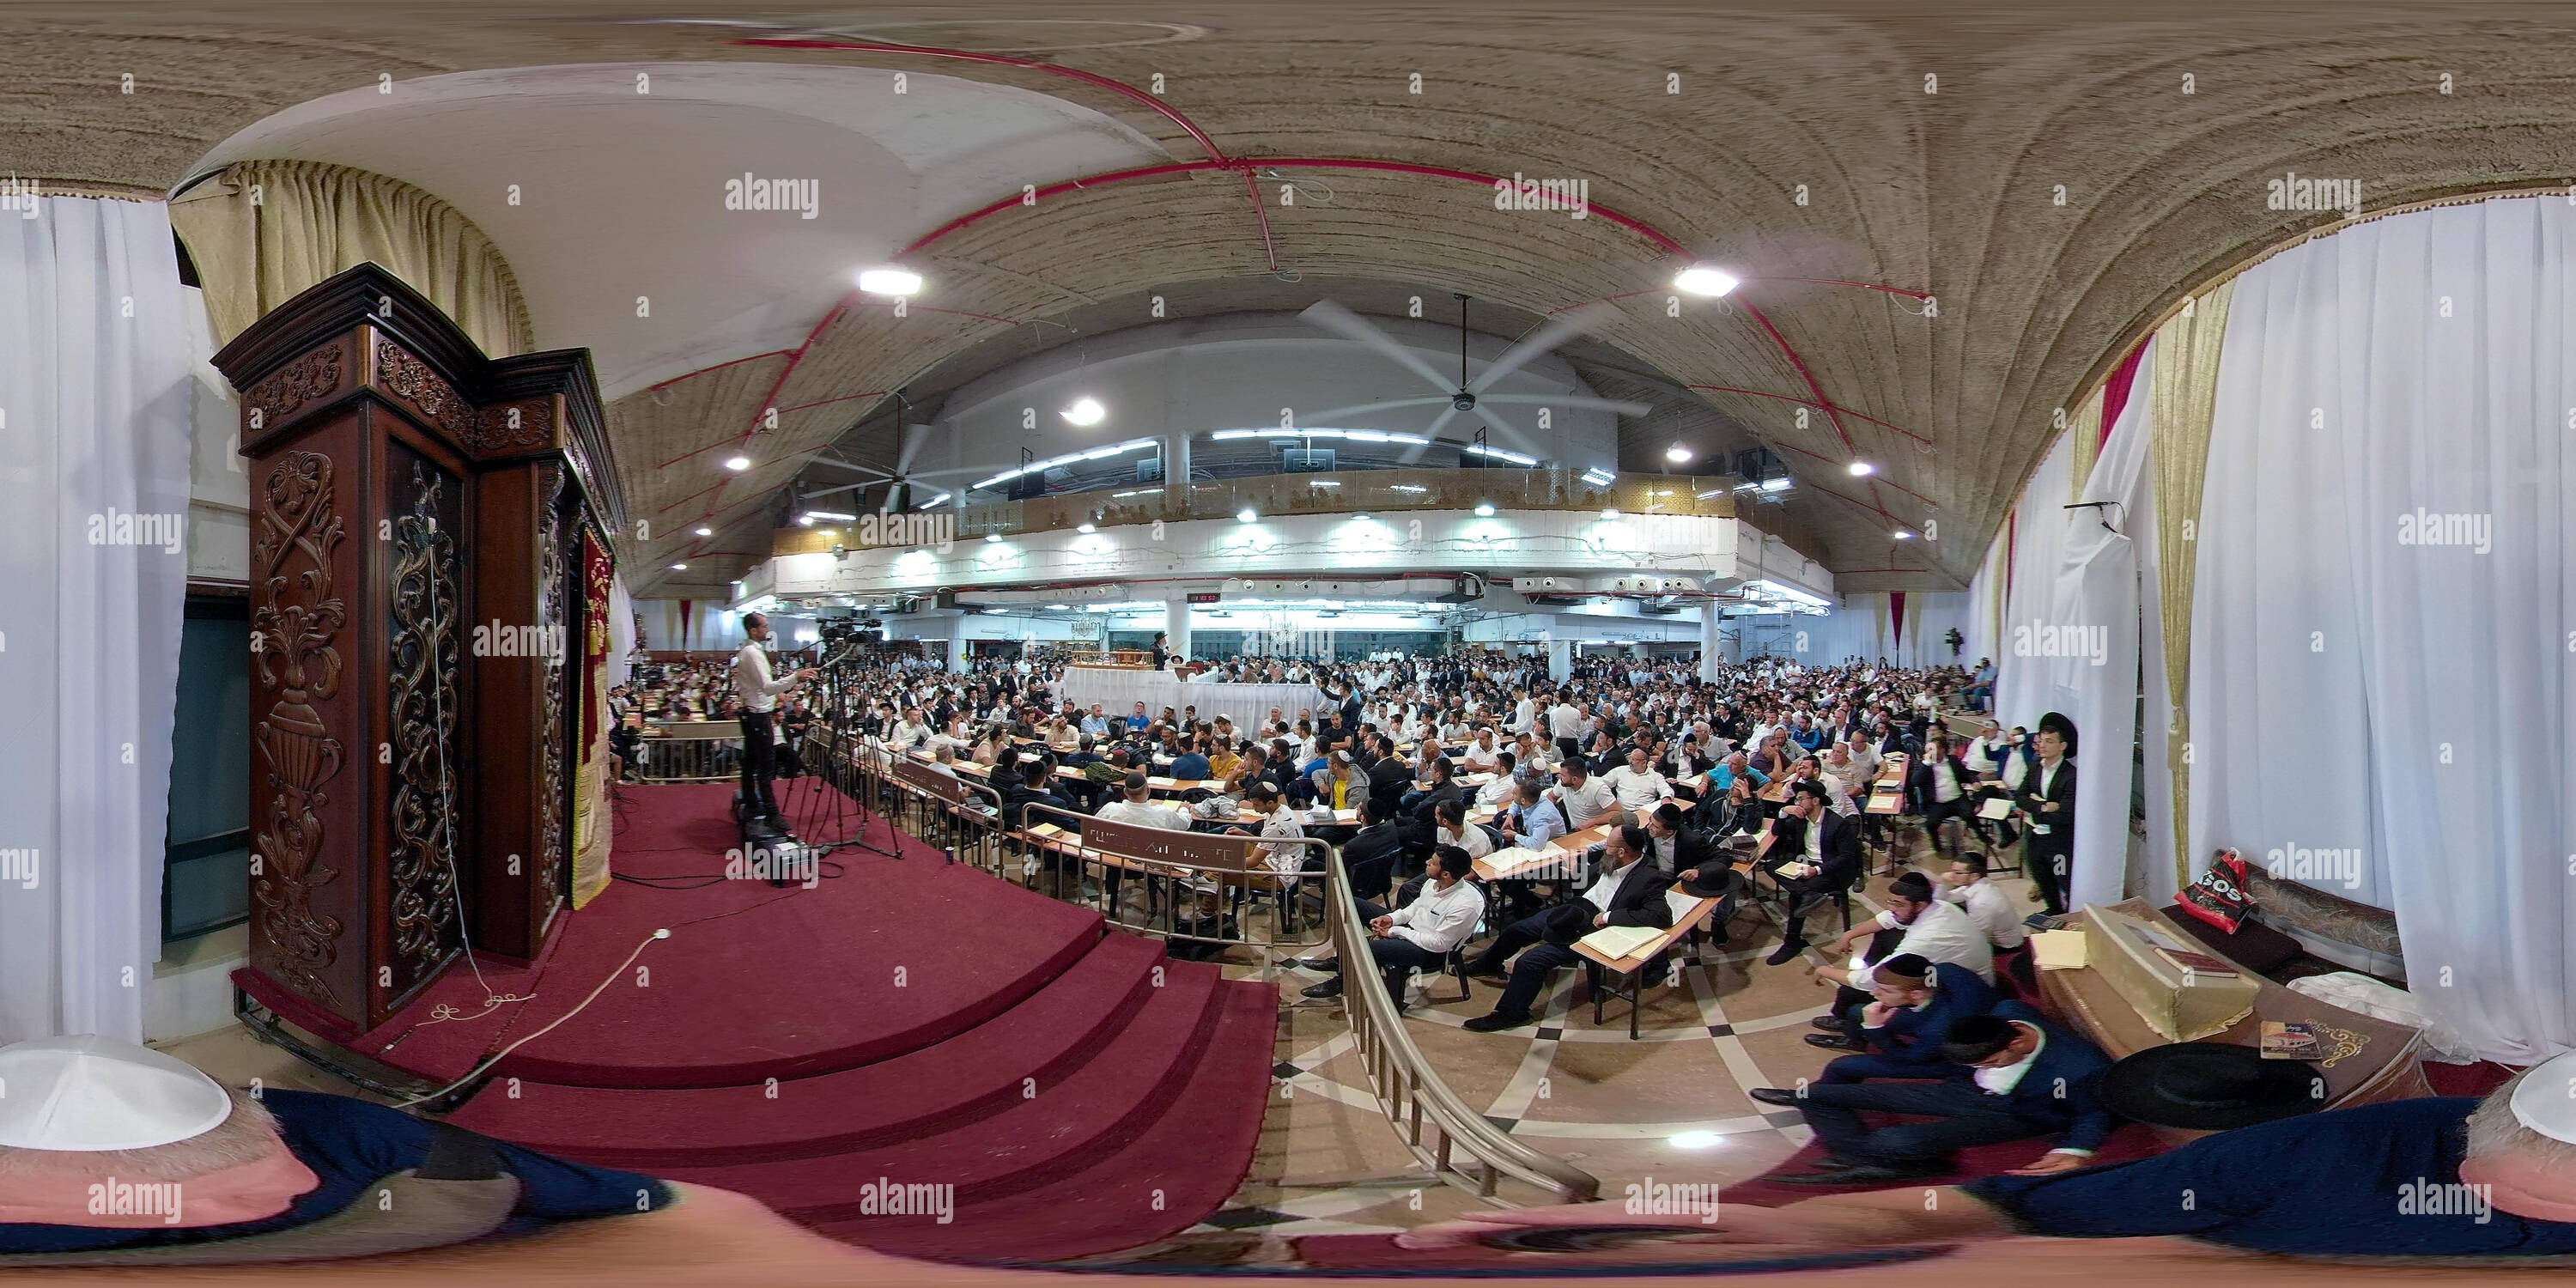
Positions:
(2062, 727)
(1903, 966)
(2210, 1086)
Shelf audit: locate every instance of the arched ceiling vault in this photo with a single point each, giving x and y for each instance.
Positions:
(2054, 179)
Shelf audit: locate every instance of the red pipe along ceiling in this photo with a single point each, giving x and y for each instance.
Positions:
(1218, 160)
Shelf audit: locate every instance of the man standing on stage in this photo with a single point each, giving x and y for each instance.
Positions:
(758, 696)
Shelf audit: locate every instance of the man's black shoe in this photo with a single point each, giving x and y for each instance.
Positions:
(1836, 1042)
(1320, 963)
(1494, 973)
(1329, 988)
(1775, 1096)
(1830, 1023)
(1495, 1021)
(1784, 954)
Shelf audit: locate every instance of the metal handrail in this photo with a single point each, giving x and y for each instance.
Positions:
(1415, 1100)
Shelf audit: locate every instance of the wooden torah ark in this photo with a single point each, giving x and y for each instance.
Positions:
(418, 614)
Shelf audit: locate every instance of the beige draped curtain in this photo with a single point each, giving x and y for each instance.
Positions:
(2182, 403)
(263, 231)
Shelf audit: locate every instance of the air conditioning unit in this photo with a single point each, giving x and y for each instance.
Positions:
(1306, 460)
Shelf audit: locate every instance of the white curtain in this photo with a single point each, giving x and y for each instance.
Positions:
(2076, 650)
(2036, 534)
(95, 387)
(1929, 620)
(621, 630)
(2382, 642)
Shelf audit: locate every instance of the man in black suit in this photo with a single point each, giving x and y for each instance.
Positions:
(2047, 799)
(1389, 775)
(1423, 830)
(1671, 847)
(1370, 856)
(1623, 890)
(1811, 852)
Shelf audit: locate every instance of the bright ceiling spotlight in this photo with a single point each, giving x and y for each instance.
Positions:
(1700, 279)
(1245, 516)
(1086, 529)
(1485, 510)
(1609, 514)
(1694, 1140)
(1085, 412)
(889, 281)
(992, 538)
(1903, 535)
(706, 532)
(679, 567)
(1677, 453)
(1861, 469)
(805, 519)
(737, 463)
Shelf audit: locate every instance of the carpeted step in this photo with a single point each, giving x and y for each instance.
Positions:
(1098, 1106)
(1182, 1168)
(974, 1074)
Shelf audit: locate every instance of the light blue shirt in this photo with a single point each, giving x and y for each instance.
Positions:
(1540, 824)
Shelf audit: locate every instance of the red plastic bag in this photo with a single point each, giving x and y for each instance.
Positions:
(2219, 897)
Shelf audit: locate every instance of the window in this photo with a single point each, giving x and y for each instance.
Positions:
(205, 874)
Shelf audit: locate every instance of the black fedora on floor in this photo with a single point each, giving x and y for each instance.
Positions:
(2210, 1086)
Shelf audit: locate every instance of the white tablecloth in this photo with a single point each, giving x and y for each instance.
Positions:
(1118, 691)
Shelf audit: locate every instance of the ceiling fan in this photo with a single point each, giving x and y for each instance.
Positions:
(1470, 396)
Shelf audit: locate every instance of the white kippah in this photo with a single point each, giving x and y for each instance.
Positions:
(2545, 1099)
(92, 1093)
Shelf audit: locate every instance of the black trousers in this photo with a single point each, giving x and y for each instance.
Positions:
(1396, 957)
(2053, 869)
(1848, 1001)
(759, 762)
(1961, 1116)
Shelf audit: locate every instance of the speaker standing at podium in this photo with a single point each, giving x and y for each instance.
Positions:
(757, 696)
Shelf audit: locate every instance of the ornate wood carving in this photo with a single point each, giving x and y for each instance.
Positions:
(312, 376)
(516, 426)
(425, 713)
(554, 573)
(411, 380)
(292, 629)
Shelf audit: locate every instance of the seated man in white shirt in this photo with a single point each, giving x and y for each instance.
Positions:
(1986, 904)
(1915, 922)
(1636, 785)
(1482, 756)
(1421, 934)
(1585, 799)
(1137, 806)
(1280, 823)
(1456, 830)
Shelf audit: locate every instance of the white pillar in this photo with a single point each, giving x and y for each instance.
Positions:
(1710, 619)
(957, 642)
(1560, 658)
(1176, 627)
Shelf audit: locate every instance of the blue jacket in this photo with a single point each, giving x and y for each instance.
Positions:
(2062, 1090)
(1914, 1037)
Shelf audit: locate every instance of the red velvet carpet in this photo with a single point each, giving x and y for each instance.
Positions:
(910, 1022)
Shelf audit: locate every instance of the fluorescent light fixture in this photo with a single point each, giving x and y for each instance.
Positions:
(1715, 491)
(1245, 515)
(1055, 608)
(1861, 469)
(737, 463)
(1086, 528)
(1406, 487)
(1677, 453)
(1609, 514)
(1485, 510)
(1053, 462)
(831, 514)
(805, 519)
(992, 538)
(1085, 412)
(706, 532)
(1598, 477)
(1121, 496)
(831, 532)
(1780, 484)
(939, 500)
(1499, 454)
(889, 281)
(1322, 483)
(1775, 590)
(679, 567)
(1701, 279)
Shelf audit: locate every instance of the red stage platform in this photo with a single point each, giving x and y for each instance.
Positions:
(910, 1021)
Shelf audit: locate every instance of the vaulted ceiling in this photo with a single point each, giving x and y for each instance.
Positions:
(2053, 179)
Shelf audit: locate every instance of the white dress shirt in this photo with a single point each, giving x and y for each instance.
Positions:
(1992, 910)
(1145, 814)
(1584, 805)
(1636, 791)
(1563, 721)
(1942, 932)
(1470, 838)
(1439, 920)
(752, 686)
